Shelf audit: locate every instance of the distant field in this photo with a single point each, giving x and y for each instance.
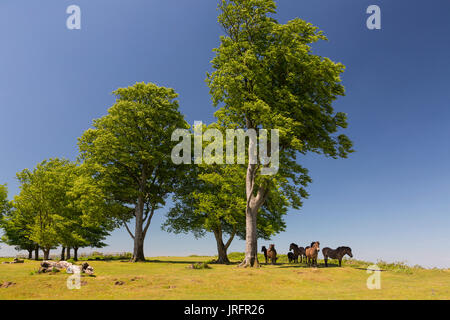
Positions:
(170, 278)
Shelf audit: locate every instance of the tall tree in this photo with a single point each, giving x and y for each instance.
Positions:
(267, 77)
(129, 151)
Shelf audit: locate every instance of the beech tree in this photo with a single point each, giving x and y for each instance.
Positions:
(42, 201)
(267, 77)
(129, 151)
(16, 231)
(15, 225)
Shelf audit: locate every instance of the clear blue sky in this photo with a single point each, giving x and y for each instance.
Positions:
(390, 200)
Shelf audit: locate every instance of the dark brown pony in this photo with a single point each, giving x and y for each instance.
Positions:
(312, 253)
(298, 252)
(291, 257)
(272, 254)
(339, 253)
(264, 250)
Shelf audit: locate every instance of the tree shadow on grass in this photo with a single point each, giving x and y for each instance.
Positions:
(304, 266)
(180, 262)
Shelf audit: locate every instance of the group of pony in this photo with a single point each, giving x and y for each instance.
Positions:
(309, 254)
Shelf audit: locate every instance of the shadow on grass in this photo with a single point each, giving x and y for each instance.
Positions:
(304, 266)
(179, 262)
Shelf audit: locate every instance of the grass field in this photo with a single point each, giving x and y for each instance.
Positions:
(170, 278)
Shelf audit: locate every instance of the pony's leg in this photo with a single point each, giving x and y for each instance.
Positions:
(326, 262)
(340, 262)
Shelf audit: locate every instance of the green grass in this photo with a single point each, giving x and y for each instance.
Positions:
(172, 278)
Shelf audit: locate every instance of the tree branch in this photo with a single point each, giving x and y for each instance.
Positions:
(227, 245)
(128, 229)
(148, 221)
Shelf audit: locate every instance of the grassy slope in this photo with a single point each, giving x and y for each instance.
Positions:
(169, 278)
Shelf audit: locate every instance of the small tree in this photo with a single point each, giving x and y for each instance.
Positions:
(43, 202)
(129, 152)
(16, 230)
(266, 77)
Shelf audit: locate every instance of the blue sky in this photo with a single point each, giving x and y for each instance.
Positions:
(389, 200)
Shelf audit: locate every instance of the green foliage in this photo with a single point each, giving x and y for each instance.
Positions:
(52, 209)
(17, 229)
(266, 76)
(129, 149)
(15, 226)
(4, 204)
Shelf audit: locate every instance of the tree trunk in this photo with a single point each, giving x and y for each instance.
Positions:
(221, 248)
(251, 212)
(138, 252)
(30, 254)
(251, 240)
(46, 254)
(36, 253)
(63, 255)
(68, 253)
(75, 254)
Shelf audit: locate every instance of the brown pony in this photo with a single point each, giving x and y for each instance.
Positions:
(298, 251)
(272, 254)
(312, 253)
(339, 253)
